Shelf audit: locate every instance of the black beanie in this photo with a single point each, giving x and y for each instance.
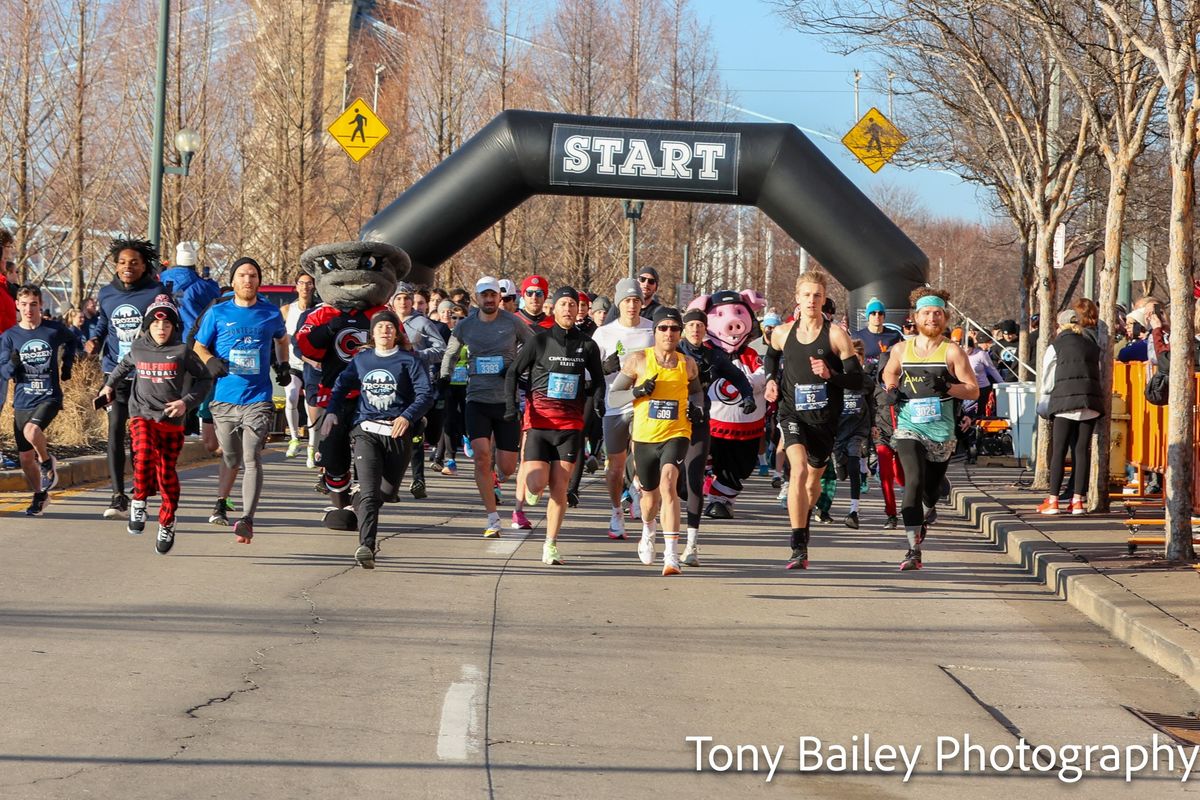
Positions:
(564, 291)
(695, 315)
(245, 260)
(386, 315)
(666, 312)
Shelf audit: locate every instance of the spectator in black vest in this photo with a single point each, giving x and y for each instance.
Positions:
(1071, 384)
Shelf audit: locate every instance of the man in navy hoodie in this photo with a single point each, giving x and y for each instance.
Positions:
(123, 303)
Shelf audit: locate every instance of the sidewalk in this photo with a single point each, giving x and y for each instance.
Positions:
(74, 471)
(1152, 606)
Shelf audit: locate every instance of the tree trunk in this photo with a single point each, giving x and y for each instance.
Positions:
(1114, 227)
(1046, 291)
(1182, 396)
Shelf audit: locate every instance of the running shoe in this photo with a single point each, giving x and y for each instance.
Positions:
(912, 560)
(799, 559)
(243, 531)
(777, 483)
(467, 449)
(635, 502)
(1077, 508)
(646, 550)
(1049, 506)
(229, 505)
(119, 507)
(691, 556)
(311, 461)
(492, 531)
(418, 489)
(616, 525)
(521, 522)
(591, 465)
(531, 499)
(671, 565)
(137, 517)
(550, 556)
(573, 499)
(437, 466)
(944, 488)
(365, 557)
(49, 470)
(718, 510)
(865, 486)
(293, 448)
(165, 539)
(931, 516)
(763, 470)
(852, 520)
(220, 514)
(38, 504)
(892, 523)
(823, 516)
(496, 488)
(320, 486)
(450, 467)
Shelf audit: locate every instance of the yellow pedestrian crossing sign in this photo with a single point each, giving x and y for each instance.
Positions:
(358, 130)
(874, 140)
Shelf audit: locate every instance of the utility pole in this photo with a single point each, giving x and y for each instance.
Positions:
(160, 112)
(857, 78)
(375, 99)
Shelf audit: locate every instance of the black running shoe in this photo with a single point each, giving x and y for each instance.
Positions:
(165, 539)
(944, 489)
(892, 523)
(852, 520)
(591, 465)
(799, 559)
(823, 516)
(220, 514)
(931, 517)
(319, 487)
(912, 560)
(573, 499)
(418, 490)
(38, 504)
(119, 507)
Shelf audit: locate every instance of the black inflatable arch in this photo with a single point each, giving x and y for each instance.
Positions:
(772, 166)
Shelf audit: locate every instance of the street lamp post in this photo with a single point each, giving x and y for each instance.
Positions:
(346, 83)
(633, 212)
(375, 99)
(187, 141)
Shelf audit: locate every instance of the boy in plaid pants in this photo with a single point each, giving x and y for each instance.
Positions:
(169, 380)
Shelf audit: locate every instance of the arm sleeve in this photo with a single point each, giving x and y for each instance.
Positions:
(524, 334)
(851, 377)
(453, 348)
(723, 367)
(623, 382)
(696, 391)
(201, 380)
(1049, 362)
(418, 373)
(101, 325)
(771, 363)
(69, 343)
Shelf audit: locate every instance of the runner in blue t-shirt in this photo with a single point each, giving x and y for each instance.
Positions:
(235, 341)
(34, 353)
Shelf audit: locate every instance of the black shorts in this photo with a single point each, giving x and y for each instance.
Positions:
(41, 416)
(552, 445)
(817, 440)
(485, 419)
(649, 458)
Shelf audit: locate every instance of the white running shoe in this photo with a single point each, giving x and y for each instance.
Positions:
(646, 551)
(671, 565)
(137, 517)
(635, 502)
(691, 556)
(616, 525)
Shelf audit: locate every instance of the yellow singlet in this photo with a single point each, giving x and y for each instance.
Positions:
(663, 414)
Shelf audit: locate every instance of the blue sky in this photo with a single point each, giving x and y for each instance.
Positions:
(764, 62)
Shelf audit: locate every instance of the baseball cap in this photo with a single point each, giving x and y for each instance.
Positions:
(507, 288)
(876, 305)
(487, 284)
(627, 287)
(1067, 317)
(771, 321)
(535, 282)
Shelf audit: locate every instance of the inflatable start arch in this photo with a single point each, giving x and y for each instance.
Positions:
(774, 167)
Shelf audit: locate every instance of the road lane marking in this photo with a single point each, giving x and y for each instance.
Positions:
(458, 736)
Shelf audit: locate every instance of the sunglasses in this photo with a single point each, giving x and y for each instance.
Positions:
(669, 328)
(534, 293)
(880, 313)
(647, 279)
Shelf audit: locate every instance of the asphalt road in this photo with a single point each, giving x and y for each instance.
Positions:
(465, 668)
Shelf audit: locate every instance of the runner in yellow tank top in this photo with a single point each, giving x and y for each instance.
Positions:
(668, 397)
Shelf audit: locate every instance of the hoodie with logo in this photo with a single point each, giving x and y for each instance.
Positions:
(32, 359)
(161, 373)
(121, 311)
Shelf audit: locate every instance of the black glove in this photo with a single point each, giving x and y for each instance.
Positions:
(695, 413)
(645, 388)
(66, 374)
(748, 405)
(612, 363)
(283, 374)
(510, 413)
(443, 385)
(217, 367)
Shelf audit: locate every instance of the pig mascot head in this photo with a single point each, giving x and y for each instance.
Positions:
(731, 317)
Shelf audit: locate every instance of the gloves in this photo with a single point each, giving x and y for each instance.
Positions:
(612, 364)
(748, 405)
(283, 374)
(443, 385)
(510, 413)
(217, 367)
(645, 388)
(695, 413)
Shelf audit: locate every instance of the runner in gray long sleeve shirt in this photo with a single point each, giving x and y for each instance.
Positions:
(485, 340)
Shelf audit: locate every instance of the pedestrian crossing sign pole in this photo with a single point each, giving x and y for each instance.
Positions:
(874, 140)
(358, 130)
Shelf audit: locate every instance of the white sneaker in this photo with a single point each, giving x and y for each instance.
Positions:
(311, 461)
(671, 565)
(646, 551)
(691, 556)
(616, 525)
(137, 517)
(635, 503)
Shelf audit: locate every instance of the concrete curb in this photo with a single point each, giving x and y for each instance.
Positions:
(1126, 615)
(86, 469)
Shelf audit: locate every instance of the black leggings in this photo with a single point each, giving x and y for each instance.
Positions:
(380, 462)
(452, 423)
(591, 427)
(694, 464)
(430, 430)
(922, 480)
(118, 422)
(1061, 435)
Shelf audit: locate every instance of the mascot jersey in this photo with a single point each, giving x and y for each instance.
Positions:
(727, 420)
(332, 336)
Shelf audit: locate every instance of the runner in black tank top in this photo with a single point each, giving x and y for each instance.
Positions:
(810, 398)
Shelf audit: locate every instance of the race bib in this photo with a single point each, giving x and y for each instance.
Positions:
(38, 386)
(811, 396)
(561, 386)
(244, 361)
(489, 365)
(663, 410)
(458, 377)
(852, 403)
(925, 409)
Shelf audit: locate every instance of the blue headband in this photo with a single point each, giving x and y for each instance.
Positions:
(930, 300)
